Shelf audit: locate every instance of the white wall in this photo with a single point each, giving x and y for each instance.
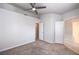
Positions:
(49, 26)
(71, 14)
(15, 29)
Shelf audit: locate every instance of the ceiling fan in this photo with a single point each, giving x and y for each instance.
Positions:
(34, 8)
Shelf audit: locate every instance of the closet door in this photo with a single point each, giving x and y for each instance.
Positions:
(59, 32)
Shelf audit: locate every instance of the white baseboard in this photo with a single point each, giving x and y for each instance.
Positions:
(71, 49)
(15, 46)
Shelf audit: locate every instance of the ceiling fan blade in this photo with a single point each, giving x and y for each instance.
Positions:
(40, 7)
(36, 12)
(29, 9)
(32, 5)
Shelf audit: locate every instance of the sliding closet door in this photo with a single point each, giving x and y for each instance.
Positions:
(59, 30)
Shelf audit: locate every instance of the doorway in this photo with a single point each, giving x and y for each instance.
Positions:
(59, 32)
(37, 32)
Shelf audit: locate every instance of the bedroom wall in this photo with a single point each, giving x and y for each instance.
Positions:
(69, 18)
(15, 29)
(72, 34)
(49, 26)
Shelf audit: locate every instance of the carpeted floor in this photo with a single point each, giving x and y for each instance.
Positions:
(39, 48)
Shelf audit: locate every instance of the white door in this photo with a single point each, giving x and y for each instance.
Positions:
(59, 32)
(41, 31)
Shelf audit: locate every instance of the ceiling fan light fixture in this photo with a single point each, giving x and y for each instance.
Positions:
(33, 9)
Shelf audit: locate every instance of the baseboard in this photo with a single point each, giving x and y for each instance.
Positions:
(71, 49)
(47, 41)
(15, 46)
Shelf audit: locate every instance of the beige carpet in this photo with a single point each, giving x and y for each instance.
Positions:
(39, 48)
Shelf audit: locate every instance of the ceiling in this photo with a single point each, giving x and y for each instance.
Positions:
(59, 8)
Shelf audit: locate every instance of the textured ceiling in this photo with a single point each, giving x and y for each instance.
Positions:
(59, 8)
